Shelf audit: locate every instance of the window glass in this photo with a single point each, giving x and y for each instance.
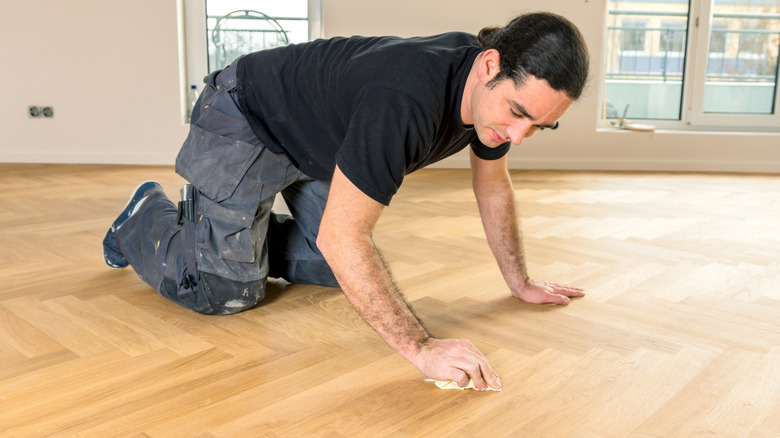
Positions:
(633, 33)
(645, 64)
(743, 54)
(673, 36)
(237, 27)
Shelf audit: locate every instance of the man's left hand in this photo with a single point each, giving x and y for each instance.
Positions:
(547, 292)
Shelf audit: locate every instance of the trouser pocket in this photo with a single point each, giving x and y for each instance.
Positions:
(230, 232)
(214, 163)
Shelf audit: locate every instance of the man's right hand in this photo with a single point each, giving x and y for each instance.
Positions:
(457, 360)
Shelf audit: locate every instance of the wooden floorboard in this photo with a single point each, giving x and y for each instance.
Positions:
(678, 335)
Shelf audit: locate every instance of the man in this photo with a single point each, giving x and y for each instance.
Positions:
(334, 125)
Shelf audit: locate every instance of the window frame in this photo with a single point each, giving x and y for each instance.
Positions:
(692, 115)
(699, 54)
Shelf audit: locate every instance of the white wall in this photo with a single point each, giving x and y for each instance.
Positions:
(110, 69)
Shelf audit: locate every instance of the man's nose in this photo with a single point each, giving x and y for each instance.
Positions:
(519, 131)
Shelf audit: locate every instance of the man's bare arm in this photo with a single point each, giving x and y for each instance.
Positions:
(496, 201)
(345, 241)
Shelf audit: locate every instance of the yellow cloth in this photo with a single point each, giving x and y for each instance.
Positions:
(451, 384)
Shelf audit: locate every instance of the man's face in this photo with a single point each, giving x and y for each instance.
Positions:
(506, 112)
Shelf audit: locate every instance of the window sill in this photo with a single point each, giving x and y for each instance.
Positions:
(692, 131)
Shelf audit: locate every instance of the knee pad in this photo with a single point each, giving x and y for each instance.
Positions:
(215, 295)
(226, 296)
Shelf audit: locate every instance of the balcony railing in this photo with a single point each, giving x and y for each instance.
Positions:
(638, 52)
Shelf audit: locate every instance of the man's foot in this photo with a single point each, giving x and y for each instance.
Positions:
(111, 253)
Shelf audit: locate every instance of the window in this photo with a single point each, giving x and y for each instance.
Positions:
(645, 81)
(237, 27)
(215, 32)
(632, 39)
(704, 64)
(720, 30)
(673, 36)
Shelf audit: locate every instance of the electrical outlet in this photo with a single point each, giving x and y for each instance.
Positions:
(40, 111)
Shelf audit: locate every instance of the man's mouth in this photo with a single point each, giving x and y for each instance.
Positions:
(498, 137)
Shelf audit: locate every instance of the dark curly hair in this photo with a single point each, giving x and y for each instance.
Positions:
(544, 45)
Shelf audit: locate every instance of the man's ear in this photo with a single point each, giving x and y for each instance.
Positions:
(489, 65)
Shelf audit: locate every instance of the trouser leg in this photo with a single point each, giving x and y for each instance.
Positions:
(149, 239)
(235, 180)
(155, 243)
(293, 252)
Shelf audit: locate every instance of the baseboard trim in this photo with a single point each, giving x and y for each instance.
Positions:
(87, 158)
(460, 161)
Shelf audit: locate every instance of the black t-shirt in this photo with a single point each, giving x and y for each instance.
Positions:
(379, 107)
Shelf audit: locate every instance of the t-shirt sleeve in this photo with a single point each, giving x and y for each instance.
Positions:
(488, 153)
(387, 132)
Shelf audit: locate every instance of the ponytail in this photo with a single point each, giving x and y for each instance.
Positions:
(485, 37)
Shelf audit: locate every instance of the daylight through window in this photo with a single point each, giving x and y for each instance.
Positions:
(693, 62)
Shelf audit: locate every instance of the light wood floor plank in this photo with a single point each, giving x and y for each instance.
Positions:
(678, 336)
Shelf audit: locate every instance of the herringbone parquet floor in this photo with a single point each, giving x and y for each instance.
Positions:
(678, 336)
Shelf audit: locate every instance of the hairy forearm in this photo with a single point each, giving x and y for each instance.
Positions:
(369, 287)
(503, 230)
(345, 241)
